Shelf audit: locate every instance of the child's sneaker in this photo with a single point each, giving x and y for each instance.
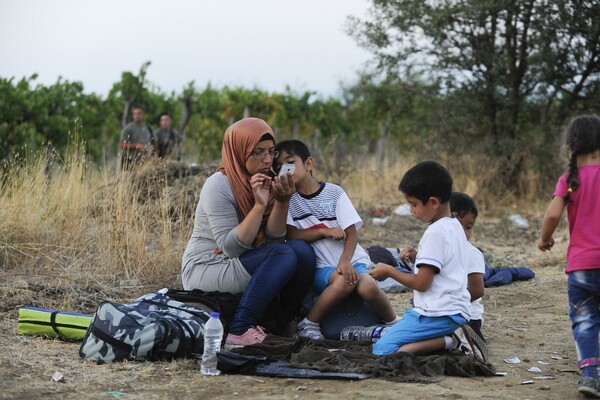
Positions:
(588, 386)
(470, 344)
(392, 322)
(254, 334)
(310, 330)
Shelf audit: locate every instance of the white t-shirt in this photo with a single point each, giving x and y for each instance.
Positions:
(476, 265)
(444, 247)
(328, 207)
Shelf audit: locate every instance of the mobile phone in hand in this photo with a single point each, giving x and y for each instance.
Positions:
(285, 168)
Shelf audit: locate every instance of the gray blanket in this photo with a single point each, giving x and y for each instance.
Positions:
(356, 357)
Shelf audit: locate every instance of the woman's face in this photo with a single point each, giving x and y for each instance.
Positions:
(261, 158)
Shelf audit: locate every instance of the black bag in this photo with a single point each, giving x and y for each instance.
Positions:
(274, 319)
(223, 303)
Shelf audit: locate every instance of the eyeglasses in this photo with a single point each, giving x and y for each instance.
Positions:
(261, 154)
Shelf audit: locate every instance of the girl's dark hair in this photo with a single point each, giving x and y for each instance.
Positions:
(581, 137)
(462, 204)
(294, 148)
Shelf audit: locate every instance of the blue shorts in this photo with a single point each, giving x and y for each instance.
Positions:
(414, 327)
(322, 275)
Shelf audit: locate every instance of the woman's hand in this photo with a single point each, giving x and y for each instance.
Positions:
(261, 184)
(283, 187)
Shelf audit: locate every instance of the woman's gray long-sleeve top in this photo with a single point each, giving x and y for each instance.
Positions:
(217, 215)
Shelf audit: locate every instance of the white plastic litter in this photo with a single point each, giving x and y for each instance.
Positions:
(380, 221)
(519, 221)
(514, 360)
(403, 209)
(534, 369)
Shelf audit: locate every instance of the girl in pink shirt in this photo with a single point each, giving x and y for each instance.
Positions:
(579, 192)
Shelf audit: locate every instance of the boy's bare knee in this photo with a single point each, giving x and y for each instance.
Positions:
(368, 289)
(341, 286)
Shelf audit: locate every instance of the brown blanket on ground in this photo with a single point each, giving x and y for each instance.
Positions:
(356, 357)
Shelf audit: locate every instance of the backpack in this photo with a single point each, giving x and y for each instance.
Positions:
(153, 327)
(223, 303)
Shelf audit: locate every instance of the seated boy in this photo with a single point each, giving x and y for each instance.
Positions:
(321, 214)
(464, 209)
(441, 298)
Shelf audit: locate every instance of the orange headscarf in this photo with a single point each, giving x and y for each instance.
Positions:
(239, 141)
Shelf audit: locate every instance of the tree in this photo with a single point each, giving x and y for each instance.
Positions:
(132, 90)
(33, 115)
(501, 53)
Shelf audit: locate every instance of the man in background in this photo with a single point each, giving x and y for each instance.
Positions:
(137, 140)
(167, 139)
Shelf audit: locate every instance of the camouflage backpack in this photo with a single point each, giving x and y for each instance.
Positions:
(153, 327)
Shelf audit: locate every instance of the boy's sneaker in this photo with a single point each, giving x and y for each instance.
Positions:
(392, 322)
(310, 330)
(470, 343)
(254, 335)
(588, 386)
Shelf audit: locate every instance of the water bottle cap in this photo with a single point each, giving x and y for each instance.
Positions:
(215, 314)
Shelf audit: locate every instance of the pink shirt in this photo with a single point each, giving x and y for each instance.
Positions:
(583, 214)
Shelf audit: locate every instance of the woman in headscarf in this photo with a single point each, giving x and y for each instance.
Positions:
(238, 243)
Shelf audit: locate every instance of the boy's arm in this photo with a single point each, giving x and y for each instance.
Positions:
(475, 285)
(312, 235)
(550, 222)
(345, 266)
(421, 281)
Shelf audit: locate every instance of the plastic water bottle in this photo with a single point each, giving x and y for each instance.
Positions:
(363, 333)
(213, 336)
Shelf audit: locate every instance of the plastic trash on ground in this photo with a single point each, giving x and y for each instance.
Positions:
(403, 209)
(519, 221)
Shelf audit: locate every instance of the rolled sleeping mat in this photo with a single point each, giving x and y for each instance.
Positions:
(62, 324)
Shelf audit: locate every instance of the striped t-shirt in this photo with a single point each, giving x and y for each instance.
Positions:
(328, 207)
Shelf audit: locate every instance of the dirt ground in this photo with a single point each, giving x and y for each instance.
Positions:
(527, 320)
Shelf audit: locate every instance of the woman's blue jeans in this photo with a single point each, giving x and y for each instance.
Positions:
(584, 300)
(284, 268)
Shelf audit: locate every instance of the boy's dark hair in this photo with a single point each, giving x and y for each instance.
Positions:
(294, 148)
(427, 179)
(581, 137)
(462, 204)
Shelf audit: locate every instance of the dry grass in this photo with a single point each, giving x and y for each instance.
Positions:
(75, 230)
(76, 226)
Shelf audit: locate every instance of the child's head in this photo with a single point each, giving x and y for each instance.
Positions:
(464, 209)
(425, 180)
(581, 137)
(425, 184)
(297, 153)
